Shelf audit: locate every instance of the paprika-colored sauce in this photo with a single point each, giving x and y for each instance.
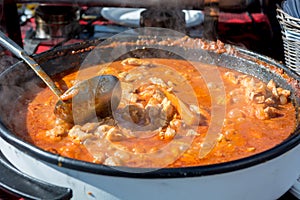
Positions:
(167, 108)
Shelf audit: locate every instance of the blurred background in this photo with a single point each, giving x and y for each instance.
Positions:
(41, 25)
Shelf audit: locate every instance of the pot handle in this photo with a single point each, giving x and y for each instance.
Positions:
(17, 183)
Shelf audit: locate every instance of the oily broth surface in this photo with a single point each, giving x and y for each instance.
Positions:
(239, 138)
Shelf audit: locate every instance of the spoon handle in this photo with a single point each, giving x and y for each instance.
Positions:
(20, 53)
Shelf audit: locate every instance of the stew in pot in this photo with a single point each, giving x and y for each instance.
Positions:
(164, 115)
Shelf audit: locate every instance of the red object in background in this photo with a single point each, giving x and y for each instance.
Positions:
(47, 46)
(250, 30)
(6, 196)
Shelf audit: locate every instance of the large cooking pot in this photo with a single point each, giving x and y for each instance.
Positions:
(266, 175)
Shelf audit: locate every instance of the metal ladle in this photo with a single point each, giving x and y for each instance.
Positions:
(97, 95)
(20, 53)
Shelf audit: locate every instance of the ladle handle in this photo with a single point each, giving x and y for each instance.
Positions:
(20, 53)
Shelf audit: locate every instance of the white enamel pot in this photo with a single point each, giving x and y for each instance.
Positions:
(267, 175)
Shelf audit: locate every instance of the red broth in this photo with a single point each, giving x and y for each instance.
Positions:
(150, 129)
